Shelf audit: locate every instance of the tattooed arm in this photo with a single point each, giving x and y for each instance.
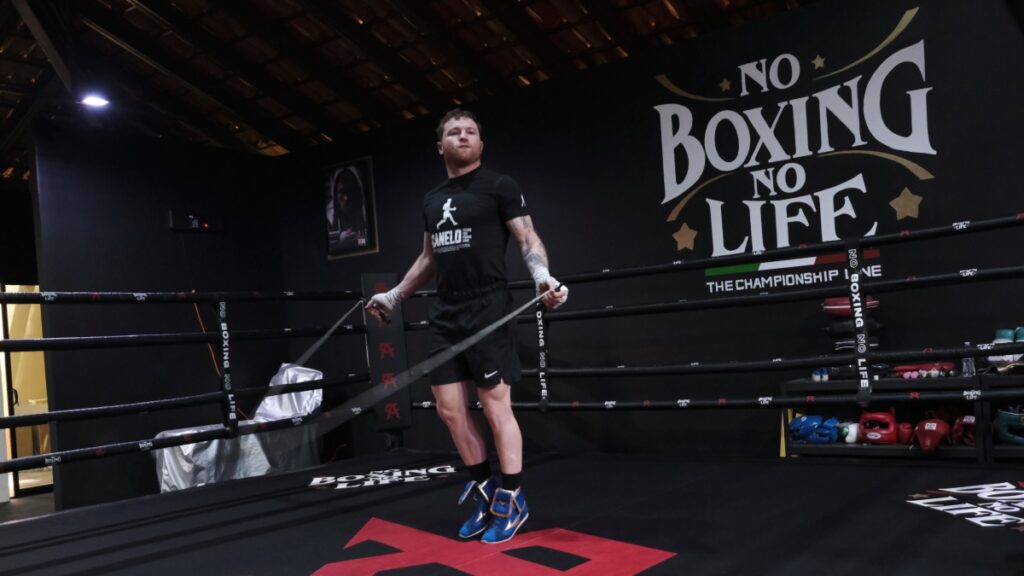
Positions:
(536, 259)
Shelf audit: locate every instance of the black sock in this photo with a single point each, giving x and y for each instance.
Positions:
(510, 481)
(480, 472)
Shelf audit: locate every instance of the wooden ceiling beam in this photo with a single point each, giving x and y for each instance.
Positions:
(18, 61)
(175, 111)
(253, 73)
(709, 14)
(512, 16)
(21, 118)
(167, 108)
(430, 24)
(10, 19)
(42, 19)
(144, 48)
(20, 89)
(329, 13)
(307, 58)
(609, 18)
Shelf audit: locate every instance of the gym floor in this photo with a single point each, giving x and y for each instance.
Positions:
(591, 514)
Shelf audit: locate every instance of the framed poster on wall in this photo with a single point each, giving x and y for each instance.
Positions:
(350, 210)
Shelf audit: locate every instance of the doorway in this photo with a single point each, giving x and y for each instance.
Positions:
(23, 376)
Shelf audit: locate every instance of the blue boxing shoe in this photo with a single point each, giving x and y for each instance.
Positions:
(482, 495)
(510, 512)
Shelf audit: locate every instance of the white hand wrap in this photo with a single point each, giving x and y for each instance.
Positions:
(387, 300)
(548, 282)
(540, 274)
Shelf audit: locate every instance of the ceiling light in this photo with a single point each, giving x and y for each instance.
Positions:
(95, 101)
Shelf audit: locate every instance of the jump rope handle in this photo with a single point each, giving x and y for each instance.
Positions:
(383, 314)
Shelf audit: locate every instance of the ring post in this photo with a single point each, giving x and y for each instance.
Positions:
(230, 406)
(542, 355)
(858, 313)
(386, 358)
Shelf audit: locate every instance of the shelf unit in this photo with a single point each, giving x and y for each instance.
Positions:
(1000, 452)
(982, 411)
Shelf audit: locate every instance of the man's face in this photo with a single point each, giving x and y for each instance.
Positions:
(461, 144)
(340, 196)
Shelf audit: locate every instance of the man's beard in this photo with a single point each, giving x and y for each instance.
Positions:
(463, 156)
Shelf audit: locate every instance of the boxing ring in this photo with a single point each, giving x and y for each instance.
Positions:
(593, 514)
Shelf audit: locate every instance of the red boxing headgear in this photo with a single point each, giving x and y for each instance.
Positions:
(878, 427)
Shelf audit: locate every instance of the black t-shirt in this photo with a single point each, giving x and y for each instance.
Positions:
(466, 218)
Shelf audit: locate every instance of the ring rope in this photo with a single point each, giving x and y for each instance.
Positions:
(952, 229)
(778, 364)
(165, 297)
(693, 368)
(169, 403)
(131, 340)
(93, 452)
(877, 286)
(324, 421)
(775, 402)
(353, 407)
(764, 402)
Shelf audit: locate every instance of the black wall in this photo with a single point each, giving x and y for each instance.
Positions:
(103, 220)
(586, 151)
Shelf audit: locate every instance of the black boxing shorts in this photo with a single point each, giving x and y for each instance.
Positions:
(455, 317)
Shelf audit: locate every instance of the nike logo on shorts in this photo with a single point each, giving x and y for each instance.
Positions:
(489, 374)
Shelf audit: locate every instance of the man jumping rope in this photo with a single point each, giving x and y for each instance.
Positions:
(468, 259)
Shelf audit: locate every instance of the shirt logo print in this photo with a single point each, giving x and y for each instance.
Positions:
(447, 216)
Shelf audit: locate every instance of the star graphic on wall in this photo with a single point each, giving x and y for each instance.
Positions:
(919, 496)
(906, 204)
(725, 85)
(818, 62)
(685, 237)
